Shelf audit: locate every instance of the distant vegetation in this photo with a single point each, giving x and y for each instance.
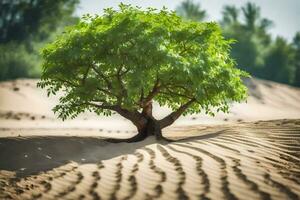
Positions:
(25, 26)
(254, 50)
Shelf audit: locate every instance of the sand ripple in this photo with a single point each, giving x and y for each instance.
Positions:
(247, 161)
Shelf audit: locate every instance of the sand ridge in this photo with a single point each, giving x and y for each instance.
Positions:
(24, 106)
(259, 160)
(230, 156)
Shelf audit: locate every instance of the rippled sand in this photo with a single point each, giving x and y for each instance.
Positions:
(259, 160)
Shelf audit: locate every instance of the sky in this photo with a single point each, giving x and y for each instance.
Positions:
(284, 13)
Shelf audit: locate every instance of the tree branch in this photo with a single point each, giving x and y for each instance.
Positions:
(106, 91)
(142, 95)
(175, 94)
(121, 84)
(155, 90)
(109, 84)
(171, 93)
(147, 110)
(168, 120)
(102, 106)
(67, 82)
(85, 75)
(134, 116)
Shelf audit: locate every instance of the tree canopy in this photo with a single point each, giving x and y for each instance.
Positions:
(123, 60)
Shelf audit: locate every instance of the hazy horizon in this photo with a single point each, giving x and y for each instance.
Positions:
(284, 14)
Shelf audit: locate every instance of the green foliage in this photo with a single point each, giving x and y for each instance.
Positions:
(15, 62)
(230, 16)
(24, 27)
(252, 39)
(255, 51)
(123, 57)
(296, 47)
(191, 11)
(22, 19)
(279, 64)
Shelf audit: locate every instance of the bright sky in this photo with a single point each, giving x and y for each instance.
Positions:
(284, 13)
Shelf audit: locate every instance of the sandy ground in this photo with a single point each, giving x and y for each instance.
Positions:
(23, 107)
(251, 153)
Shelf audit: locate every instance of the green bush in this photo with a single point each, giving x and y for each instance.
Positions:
(17, 62)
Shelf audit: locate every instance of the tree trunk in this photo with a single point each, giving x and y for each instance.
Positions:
(146, 124)
(151, 128)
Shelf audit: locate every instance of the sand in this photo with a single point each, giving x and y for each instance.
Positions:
(245, 161)
(251, 153)
(23, 106)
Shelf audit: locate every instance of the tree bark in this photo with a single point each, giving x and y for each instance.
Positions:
(150, 128)
(172, 117)
(147, 125)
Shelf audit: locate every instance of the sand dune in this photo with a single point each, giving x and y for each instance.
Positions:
(230, 156)
(23, 106)
(245, 161)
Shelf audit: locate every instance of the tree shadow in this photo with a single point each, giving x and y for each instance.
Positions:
(200, 137)
(32, 155)
(27, 156)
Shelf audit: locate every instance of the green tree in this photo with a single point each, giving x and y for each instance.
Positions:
(252, 14)
(250, 32)
(21, 19)
(279, 64)
(296, 46)
(124, 60)
(15, 62)
(255, 24)
(25, 25)
(191, 11)
(230, 16)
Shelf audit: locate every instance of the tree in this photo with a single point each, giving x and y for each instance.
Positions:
(16, 62)
(230, 15)
(279, 65)
(252, 14)
(25, 25)
(124, 60)
(255, 24)
(191, 11)
(21, 19)
(296, 46)
(250, 33)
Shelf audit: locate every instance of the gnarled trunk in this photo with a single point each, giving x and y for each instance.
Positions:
(150, 128)
(146, 124)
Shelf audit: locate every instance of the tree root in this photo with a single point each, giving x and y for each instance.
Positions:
(137, 138)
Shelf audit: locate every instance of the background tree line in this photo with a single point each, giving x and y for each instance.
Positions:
(26, 25)
(254, 50)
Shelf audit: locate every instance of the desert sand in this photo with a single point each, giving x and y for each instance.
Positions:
(251, 153)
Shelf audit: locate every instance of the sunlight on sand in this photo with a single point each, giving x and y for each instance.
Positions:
(231, 156)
